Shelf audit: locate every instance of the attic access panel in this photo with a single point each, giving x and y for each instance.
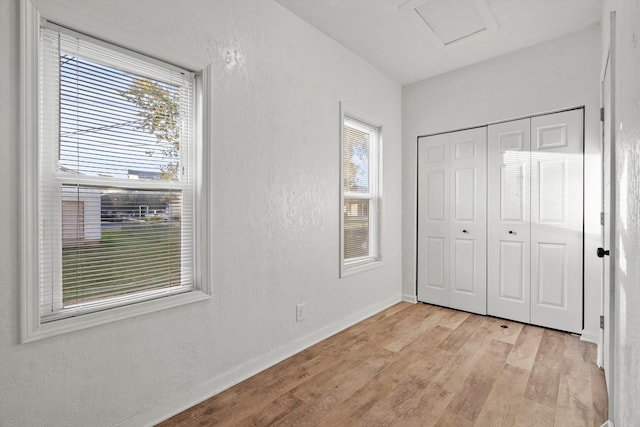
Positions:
(449, 21)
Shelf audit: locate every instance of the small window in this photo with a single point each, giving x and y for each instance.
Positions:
(114, 174)
(360, 194)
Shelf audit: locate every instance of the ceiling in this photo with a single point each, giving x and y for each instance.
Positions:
(393, 35)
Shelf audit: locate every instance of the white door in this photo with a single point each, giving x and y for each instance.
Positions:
(433, 219)
(468, 232)
(608, 221)
(557, 220)
(452, 220)
(508, 232)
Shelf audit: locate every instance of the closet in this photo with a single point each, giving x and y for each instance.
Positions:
(452, 207)
(500, 220)
(535, 225)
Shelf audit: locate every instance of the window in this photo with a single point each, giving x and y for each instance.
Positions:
(360, 194)
(112, 174)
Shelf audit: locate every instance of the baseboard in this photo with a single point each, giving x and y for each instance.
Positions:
(247, 370)
(590, 336)
(594, 337)
(608, 423)
(409, 298)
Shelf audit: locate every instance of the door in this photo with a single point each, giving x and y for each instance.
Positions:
(557, 220)
(609, 215)
(468, 231)
(433, 219)
(508, 232)
(606, 217)
(452, 220)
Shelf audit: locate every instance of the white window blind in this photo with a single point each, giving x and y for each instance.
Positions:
(360, 192)
(116, 182)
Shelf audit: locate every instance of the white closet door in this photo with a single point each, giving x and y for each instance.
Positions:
(557, 220)
(452, 220)
(468, 187)
(508, 250)
(433, 219)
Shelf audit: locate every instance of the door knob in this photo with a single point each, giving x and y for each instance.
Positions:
(464, 231)
(512, 232)
(601, 252)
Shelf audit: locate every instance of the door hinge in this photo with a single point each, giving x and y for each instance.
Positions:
(601, 218)
(602, 114)
(601, 322)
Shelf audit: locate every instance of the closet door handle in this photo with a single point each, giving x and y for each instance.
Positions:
(512, 232)
(465, 231)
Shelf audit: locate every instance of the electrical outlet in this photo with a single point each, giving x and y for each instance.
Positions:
(300, 312)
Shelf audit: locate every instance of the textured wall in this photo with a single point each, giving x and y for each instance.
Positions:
(627, 250)
(275, 221)
(558, 74)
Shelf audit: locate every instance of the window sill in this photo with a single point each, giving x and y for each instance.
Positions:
(350, 270)
(71, 324)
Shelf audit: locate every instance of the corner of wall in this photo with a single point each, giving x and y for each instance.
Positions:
(410, 298)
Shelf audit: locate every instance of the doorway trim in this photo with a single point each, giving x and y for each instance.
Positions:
(609, 311)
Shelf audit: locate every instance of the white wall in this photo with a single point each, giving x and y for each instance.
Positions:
(559, 74)
(275, 221)
(627, 233)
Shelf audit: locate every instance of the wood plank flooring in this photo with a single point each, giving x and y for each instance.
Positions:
(421, 365)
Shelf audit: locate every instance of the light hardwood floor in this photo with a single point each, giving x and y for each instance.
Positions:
(421, 365)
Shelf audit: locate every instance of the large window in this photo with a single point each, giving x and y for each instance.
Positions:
(114, 172)
(360, 194)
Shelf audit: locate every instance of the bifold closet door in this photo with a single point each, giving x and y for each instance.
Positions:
(535, 220)
(452, 220)
(557, 220)
(509, 221)
(433, 219)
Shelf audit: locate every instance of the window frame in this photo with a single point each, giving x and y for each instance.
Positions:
(33, 327)
(356, 265)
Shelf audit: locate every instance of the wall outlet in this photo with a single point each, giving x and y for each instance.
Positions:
(300, 312)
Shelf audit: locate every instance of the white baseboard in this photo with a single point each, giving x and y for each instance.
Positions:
(608, 423)
(590, 336)
(409, 298)
(594, 337)
(248, 369)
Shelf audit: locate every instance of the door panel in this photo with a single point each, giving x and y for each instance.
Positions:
(552, 273)
(433, 219)
(465, 149)
(513, 263)
(452, 220)
(464, 280)
(508, 233)
(464, 195)
(557, 220)
(436, 267)
(468, 224)
(553, 191)
(437, 191)
(512, 194)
